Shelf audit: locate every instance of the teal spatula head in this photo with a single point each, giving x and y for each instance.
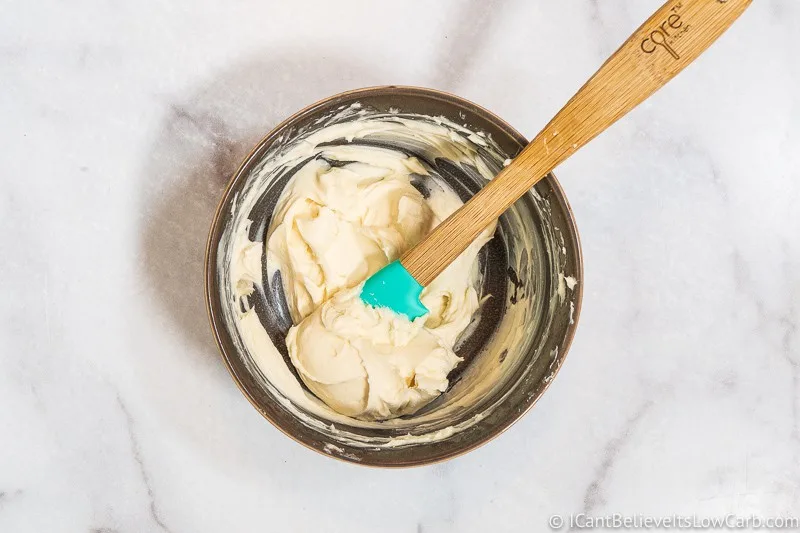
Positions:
(393, 287)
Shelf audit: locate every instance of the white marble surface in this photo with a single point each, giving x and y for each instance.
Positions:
(120, 124)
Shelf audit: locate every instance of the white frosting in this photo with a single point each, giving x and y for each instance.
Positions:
(246, 263)
(335, 226)
(343, 216)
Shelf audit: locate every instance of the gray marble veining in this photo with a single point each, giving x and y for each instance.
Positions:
(122, 122)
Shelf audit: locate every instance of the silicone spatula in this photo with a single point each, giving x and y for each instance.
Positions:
(664, 45)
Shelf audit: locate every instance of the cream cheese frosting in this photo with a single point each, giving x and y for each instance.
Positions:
(253, 282)
(344, 215)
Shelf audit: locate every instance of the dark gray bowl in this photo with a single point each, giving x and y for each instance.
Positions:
(514, 349)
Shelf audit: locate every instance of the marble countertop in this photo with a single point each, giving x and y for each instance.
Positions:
(120, 125)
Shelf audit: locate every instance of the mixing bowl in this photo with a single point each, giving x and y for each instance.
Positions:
(531, 287)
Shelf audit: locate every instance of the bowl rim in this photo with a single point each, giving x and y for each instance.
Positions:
(209, 271)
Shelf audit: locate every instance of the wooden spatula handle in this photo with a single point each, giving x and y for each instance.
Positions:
(666, 43)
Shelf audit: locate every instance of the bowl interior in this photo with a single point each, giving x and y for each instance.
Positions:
(531, 286)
